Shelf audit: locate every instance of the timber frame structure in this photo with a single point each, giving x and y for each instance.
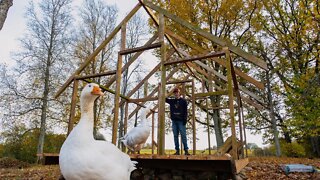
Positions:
(197, 71)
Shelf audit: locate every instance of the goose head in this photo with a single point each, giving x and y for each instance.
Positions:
(89, 94)
(145, 112)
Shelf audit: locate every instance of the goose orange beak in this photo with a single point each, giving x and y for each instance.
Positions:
(97, 91)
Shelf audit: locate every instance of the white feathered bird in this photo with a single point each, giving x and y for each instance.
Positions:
(136, 137)
(83, 157)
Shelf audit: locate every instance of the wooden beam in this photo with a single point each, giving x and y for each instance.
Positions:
(104, 88)
(153, 71)
(214, 93)
(216, 59)
(252, 103)
(242, 74)
(73, 105)
(241, 163)
(125, 124)
(96, 75)
(247, 100)
(96, 51)
(221, 76)
(258, 84)
(221, 107)
(142, 48)
(156, 90)
(147, 77)
(210, 55)
(179, 81)
(225, 148)
(118, 84)
(156, 21)
(185, 41)
(231, 106)
(144, 99)
(194, 119)
(249, 57)
(161, 115)
(131, 60)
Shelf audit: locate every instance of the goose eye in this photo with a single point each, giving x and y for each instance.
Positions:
(89, 85)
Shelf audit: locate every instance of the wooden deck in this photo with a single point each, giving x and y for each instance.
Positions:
(49, 158)
(206, 163)
(209, 163)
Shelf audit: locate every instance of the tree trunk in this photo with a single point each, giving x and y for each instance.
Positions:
(215, 101)
(273, 119)
(286, 134)
(44, 110)
(315, 142)
(4, 8)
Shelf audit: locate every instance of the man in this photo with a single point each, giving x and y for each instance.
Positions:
(178, 113)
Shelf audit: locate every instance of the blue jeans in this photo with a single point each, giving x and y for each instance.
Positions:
(179, 127)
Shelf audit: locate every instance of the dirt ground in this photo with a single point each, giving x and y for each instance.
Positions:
(257, 169)
(271, 168)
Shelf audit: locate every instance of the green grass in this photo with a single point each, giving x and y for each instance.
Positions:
(172, 151)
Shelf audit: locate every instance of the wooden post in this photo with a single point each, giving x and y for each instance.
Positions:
(208, 122)
(183, 92)
(193, 119)
(118, 83)
(125, 123)
(234, 151)
(240, 122)
(210, 90)
(239, 102)
(244, 132)
(145, 89)
(73, 105)
(208, 127)
(162, 95)
(158, 131)
(152, 134)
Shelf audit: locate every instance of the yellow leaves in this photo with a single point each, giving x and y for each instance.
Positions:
(230, 8)
(184, 9)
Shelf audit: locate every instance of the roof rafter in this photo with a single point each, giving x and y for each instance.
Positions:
(249, 57)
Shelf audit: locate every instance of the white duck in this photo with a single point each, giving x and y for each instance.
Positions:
(136, 137)
(83, 157)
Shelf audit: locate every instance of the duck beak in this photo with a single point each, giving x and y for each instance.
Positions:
(97, 91)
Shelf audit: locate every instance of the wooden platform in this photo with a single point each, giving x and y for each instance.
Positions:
(209, 163)
(49, 158)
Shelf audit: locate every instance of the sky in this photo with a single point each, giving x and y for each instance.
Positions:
(15, 26)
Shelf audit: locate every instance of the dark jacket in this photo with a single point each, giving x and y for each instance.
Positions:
(178, 109)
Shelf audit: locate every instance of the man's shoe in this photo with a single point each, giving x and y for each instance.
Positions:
(186, 153)
(177, 153)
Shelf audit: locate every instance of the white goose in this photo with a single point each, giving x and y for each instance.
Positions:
(83, 157)
(136, 137)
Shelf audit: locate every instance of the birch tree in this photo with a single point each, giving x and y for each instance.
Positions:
(41, 66)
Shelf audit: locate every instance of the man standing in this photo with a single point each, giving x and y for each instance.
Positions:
(179, 113)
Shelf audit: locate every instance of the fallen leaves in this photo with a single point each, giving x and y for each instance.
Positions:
(271, 168)
(258, 168)
(38, 172)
